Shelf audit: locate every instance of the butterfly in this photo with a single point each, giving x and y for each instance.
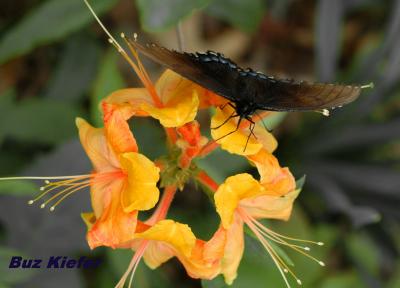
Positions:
(249, 91)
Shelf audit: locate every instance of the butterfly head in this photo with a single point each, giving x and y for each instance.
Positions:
(245, 109)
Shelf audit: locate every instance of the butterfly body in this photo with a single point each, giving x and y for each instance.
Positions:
(246, 89)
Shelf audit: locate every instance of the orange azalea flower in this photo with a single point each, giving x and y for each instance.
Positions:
(166, 239)
(242, 200)
(123, 181)
(239, 138)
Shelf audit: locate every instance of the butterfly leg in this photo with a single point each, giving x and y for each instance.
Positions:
(251, 128)
(233, 131)
(262, 121)
(233, 115)
(227, 103)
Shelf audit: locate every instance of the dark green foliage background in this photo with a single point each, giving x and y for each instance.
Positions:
(56, 64)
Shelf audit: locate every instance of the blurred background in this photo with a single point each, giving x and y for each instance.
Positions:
(56, 64)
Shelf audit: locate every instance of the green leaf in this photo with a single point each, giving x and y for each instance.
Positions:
(395, 280)
(156, 15)
(49, 22)
(12, 276)
(345, 280)
(119, 260)
(300, 182)
(245, 15)
(363, 251)
(6, 104)
(108, 80)
(76, 69)
(37, 120)
(217, 282)
(17, 187)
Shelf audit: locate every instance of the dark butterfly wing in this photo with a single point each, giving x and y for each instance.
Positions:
(222, 76)
(289, 95)
(210, 70)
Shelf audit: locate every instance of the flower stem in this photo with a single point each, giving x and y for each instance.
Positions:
(206, 180)
(211, 146)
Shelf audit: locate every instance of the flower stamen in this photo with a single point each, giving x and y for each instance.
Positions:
(265, 235)
(133, 265)
(68, 184)
(293, 246)
(279, 262)
(55, 185)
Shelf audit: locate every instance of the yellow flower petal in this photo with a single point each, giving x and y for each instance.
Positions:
(233, 250)
(117, 130)
(229, 194)
(203, 261)
(178, 235)
(129, 101)
(275, 179)
(177, 112)
(96, 146)
(157, 253)
(172, 87)
(101, 189)
(271, 207)
(140, 192)
(114, 228)
(264, 137)
(235, 142)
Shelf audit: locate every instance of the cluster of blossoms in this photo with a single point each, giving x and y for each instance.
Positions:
(125, 182)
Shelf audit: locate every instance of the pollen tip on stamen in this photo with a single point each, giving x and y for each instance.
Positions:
(307, 248)
(325, 112)
(122, 35)
(110, 41)
(42, 188)
(321, 263)
(52, 208)
(46, 181)
(299, 281)
(135, 36)
(30, 202)
(285, 270)
(43, 205)
(320, 243)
